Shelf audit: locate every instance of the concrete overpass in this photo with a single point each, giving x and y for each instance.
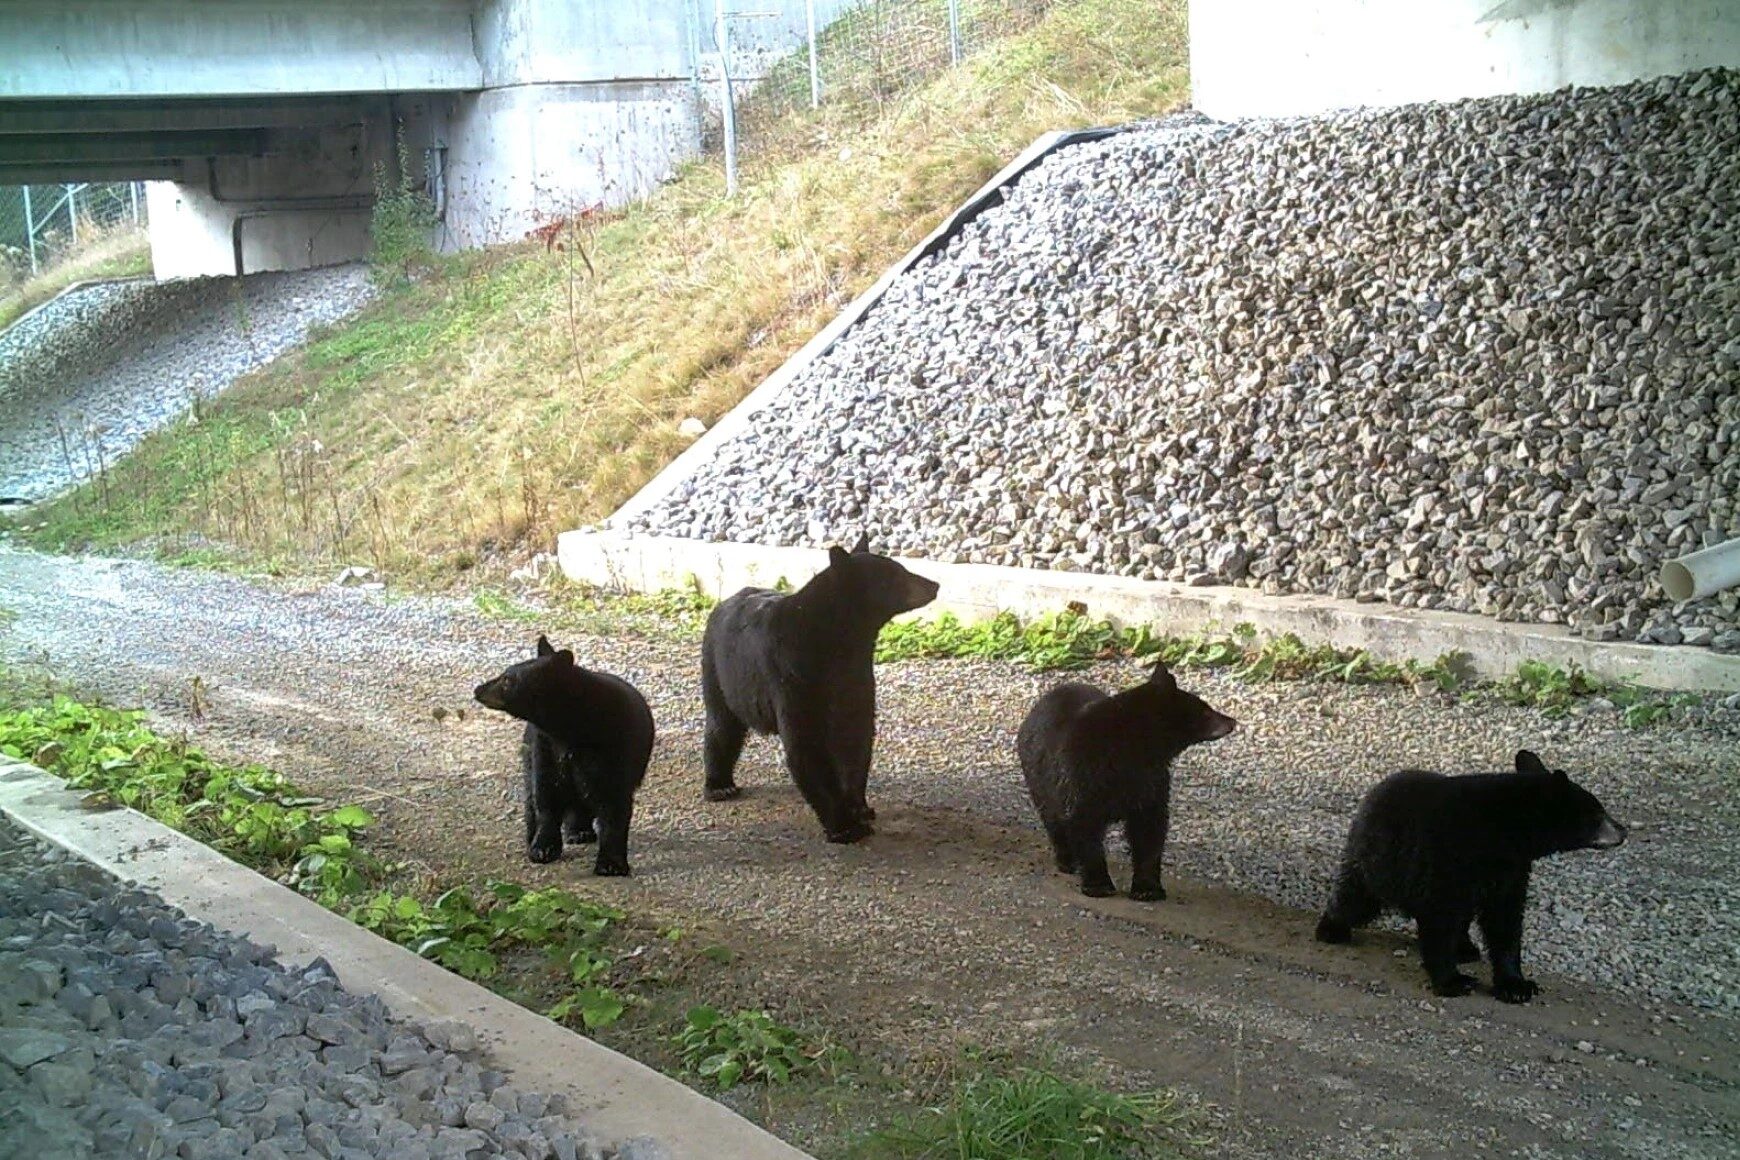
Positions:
(268, 120)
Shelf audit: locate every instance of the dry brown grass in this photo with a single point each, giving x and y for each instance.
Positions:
(515, 394)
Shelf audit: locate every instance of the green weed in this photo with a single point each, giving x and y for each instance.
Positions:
(248, 812)
(469, 936)
(1033, 1114)
(500, 606)
(742, 1047)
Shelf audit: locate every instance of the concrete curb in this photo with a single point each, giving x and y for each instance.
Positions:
(980, 591)
(608, 1092)
(776, 384)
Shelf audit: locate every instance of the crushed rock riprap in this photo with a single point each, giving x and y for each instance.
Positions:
(127, 1029)
(1479, 356)
(91, 373)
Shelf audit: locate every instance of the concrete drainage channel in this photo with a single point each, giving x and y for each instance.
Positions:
(155, 1020)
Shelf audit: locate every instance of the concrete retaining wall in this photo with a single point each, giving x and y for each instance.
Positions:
(1272, 58)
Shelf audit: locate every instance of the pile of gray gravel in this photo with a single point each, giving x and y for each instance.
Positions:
(127, 1029)
(1477, 356)
(90, 374)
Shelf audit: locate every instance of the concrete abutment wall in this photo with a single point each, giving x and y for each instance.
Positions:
(1282, 58)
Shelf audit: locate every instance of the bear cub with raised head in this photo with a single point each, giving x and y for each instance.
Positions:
(1091, 759)
(1450, 851)
(802, 665)
(584, 753)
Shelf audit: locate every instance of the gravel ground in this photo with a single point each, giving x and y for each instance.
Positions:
(949, 924)
(1476, 356)
(127, 1029)
(93, 372)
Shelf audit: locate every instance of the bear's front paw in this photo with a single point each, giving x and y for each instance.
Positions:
(1450, 986)
(1066, 865)
(852, 831)
(1099, 889)
(543, 850)
(1146, 893)
(1517, 990)
(723, 793)
(611, 868)
(1330, 930)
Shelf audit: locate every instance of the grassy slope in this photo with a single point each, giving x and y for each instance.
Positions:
(519, 392)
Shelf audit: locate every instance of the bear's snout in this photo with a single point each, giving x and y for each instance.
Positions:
(1219, 725)
(921, 591)
(489, 696)
(1607, 835)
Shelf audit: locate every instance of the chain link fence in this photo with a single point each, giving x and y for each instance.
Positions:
(851, 57)
(42, 224)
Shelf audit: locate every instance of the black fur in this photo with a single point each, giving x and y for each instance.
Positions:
(1091, 759)
(584, 753)
(1448, 851)
(801, 666)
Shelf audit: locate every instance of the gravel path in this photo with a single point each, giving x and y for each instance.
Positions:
(1477, 356)
(93, 372)
(949, 924)
(127, 1029)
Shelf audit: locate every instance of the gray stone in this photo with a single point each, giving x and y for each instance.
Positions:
(23, 1046)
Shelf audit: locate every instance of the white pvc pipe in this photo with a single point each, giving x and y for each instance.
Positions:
(1702, 573)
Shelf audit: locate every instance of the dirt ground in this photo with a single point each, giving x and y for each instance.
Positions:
(948, 926)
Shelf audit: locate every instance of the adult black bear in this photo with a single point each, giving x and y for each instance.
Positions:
(1447, 851)
(802, 665)
(588, 739)
(1091, 759)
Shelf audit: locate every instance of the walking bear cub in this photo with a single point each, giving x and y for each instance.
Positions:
(1448, 851)
(801, 665)
(588, 739)
(1091, 759)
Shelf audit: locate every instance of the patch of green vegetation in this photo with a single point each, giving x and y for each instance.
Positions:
(469, 937)
(401, 225)
(672, 613)
(249, 812)
(8, 617)
(744, 1047)
(256, 816)
(498, 605)
(1036, 1114)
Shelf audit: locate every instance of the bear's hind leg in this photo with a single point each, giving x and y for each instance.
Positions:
(1501, 923)
(1090, 855)
(613, 820)
(1351, 905)
(1146, 830)
(1469, 952)
(1440, 938)
(721, 747)
(1061, 847)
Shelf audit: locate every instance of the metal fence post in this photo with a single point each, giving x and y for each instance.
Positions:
(133, 196)
(72, 211)
(29, 230)
(954, 32)
(815, 74)
(722, 34)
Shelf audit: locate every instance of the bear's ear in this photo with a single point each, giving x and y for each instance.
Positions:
(545, 648)
(863, 544)
(565, 658)
(837, 556)
(1161, 677)
(1527, 761)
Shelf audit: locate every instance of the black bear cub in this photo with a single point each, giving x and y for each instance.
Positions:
(588, 739)
(801, 665)
(1448, 851)
(1091, 759)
